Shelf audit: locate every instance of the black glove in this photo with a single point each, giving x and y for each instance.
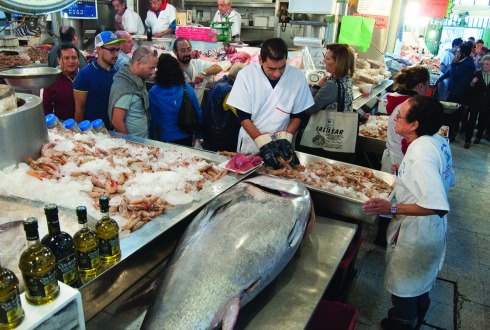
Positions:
(286, 151)
(269, 153)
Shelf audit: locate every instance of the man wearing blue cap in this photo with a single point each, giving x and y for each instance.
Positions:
(92, 85)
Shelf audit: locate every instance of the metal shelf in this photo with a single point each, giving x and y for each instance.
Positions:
(374, 93)
(235, 4)
(257, 27)
(316, 23)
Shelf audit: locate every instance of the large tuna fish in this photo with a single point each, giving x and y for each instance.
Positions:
(233, 248)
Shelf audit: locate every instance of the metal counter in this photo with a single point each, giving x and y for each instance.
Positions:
(291, 299)
(331, 202)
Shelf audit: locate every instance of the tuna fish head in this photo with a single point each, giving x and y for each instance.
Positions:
(233, 248)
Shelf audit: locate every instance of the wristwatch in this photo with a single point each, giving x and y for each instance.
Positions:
(393, 208)
(203, 72)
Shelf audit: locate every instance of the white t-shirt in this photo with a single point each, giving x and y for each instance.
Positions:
(163, 21)
(131, 22)
(424, 178)
(234, 17)
(196, 66)
(270, 107)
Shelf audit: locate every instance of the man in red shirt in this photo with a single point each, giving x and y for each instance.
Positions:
(58, 99)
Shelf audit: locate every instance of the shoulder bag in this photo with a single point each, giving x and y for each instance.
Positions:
(187, 119)
(333, 131)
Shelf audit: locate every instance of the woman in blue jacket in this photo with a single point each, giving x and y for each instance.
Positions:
(165, 101)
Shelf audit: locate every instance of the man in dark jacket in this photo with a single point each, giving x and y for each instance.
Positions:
(460, 75)
(479, 103)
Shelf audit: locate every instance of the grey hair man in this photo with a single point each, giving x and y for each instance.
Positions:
(68, 36)
(126, 48)
(226, 13)
(129, 106)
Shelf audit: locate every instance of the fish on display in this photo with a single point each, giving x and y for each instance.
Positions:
(234, 248)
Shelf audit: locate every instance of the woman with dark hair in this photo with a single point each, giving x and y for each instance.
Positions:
(165, 102)
(333, 93)
(418, 231)
(409, 82)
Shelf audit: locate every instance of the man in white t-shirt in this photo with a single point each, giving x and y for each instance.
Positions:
(270, 97)
(127, 19)
(197, 72)
(227, 14)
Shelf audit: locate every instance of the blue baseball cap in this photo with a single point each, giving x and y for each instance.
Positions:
(107, 38)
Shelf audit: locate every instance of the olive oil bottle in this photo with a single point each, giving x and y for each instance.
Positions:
(86, 245)
(61, 244)
(11, 312)
(38, 267)
(107, 231)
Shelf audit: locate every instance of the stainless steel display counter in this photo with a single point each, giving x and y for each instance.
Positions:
(374, 93)
(290, 300)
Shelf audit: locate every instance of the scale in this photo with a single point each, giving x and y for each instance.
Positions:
(223, 30)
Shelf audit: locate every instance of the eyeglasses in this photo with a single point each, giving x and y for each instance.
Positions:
(185, 50)
(400, 117)
(112, 50)
(154, 53)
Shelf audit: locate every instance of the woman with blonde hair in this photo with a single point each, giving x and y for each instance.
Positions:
(333, 93)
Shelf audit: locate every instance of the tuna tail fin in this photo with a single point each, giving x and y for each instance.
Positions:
(143, 296)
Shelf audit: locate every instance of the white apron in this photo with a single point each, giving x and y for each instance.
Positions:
(416, 245)
(270, 107)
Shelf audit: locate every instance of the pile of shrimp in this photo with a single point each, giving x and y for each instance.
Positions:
(116, 167)
(354, 182)
(376, 127)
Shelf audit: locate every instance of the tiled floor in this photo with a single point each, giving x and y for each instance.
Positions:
(461, 297)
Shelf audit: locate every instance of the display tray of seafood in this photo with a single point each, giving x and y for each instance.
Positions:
(151, 185)
(373, 133)
(338, 187)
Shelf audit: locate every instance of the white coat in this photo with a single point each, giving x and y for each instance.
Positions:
(163, 21)
(270, 107)
(131, 22)
(393, 153)
(416, 244)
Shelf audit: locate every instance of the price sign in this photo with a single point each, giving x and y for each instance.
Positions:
(83, 9)
(36, 7)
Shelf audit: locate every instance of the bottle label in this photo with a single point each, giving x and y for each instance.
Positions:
(109, 247)
(67, 269)
(43, 286)
(88, 260)
(10, 308)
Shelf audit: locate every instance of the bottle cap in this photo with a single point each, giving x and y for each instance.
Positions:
(84, 125)
(69, 123)
(30, 227)
(81, 214)
(51, 211)
(50, 119)
(97, 123)
(104, 203)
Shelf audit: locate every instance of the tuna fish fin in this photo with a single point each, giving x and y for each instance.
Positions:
(296, 233)
(231, 313)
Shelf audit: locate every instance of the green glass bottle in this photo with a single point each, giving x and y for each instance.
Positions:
(38, 266)
(61, 244)
(107, 231)
(86, 245)
(11, 311)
